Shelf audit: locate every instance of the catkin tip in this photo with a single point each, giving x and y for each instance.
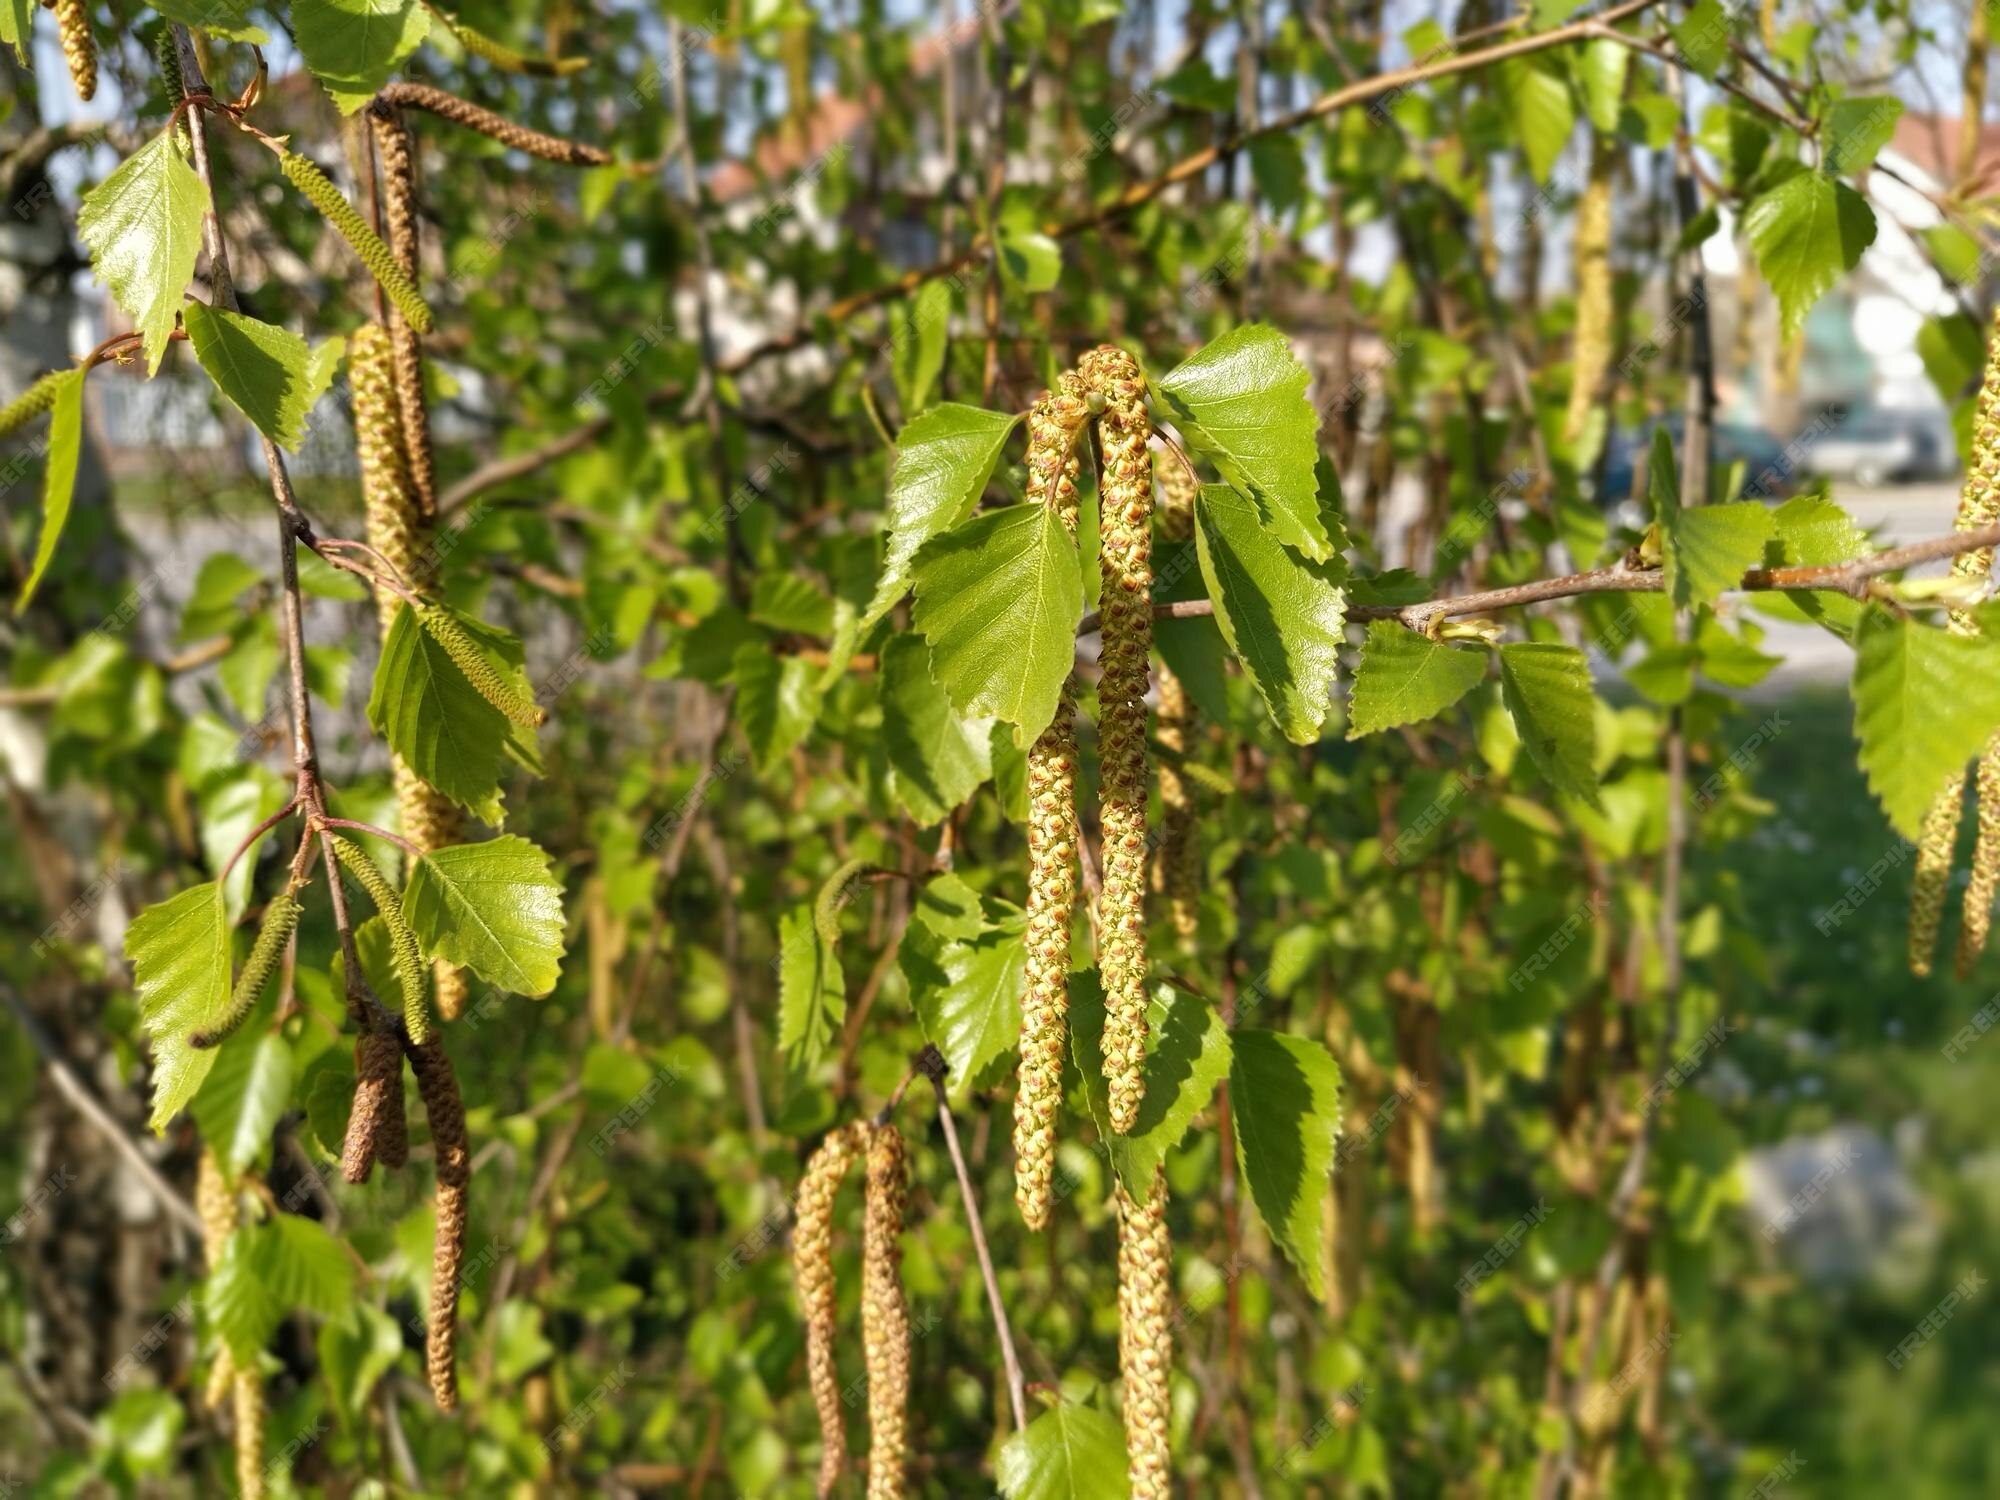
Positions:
(437, 1085)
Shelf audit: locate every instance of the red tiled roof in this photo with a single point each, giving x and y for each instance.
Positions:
(1931, 142)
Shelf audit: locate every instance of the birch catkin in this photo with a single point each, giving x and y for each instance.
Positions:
(442, 626)
(281, 920)
(395, 157)
(1125, 550)
(79, 48)
(318, 188)
(404, 953)
(1145, 1337)
(1591, 348)
(1177, 875)
(1053, 427)
(437, 1085)
(32, 402)
(812, 1269)
(1978, 505)
(375, 1123)
(885, 1319)
(464, 112)
(215, 1202)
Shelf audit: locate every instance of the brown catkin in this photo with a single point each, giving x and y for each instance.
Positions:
(1125, 612)
(442, 626)
(1591, 347)
(1145, 1337)
(1978, 505)
(305, 175)
(281, 920)
(463, 112)
(1053, 427)
(885, 1318)
(215, 1204)
(404, 953)
(378, 1080)
(395, 157)
(1177, 875)
(79, 49)
(812, 1269)
(437, 1085)
(32, 402)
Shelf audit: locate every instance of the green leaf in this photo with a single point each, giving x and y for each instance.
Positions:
(1925, 702)
(58, 477)
(244, 1311)
(777, 699)
(436, 721)
(1812, 531)
(1601, 66)
(1070, 1452)
(812, 994)
(1029, 260)
(270, 375)
(179, 953)
(1241, 400)
(916, 356)
(791, 602)
(1806, 232)
(1187, 1055)
(1856, 130)
(1284, 1094)
(493, 908)
(352, 46)
(1282, 615)
(1710, 547)
(267, 1271)
(999, 599)
(937, 758)
(248, 1089)
(355, 1351)
(1546, 686)
(224, 19)
(17, 27)
(967, 996)
(143, 227)
(1703, 36)
(1953, 349)
(1543, 110)
(944, 459)
(1405, 677)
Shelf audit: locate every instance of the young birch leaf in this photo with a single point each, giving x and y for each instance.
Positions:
(1241, 400)
(1709, 548)
(179, 953)
(967, 996)
(916, 357)
(999, 599)
(1703, 36)
(226, 20)
(1806, 232)
(58, 477)
(944, 459)
(143, 227)
(1543, 110)
(1280, 614)
(436, 721)
(1546, 687)
(352, 46)
(1925, 702)
(1856, 130)
(17, 27)
(778, 700)
(1285, 1095)
(246, 1093)
(1405, 677)
(812, 994)
(1187, 1055)
(938, 759)
(1069, 1452)
(269, 374)
(1811, 531)
(493, 908)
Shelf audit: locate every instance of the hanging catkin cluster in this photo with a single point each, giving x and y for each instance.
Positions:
(437, 1085)
(463, 112)
(404, 953)
(215, 1202)
(885, 1319)
(1145, 1337)
(281, 920)
(1177, 875)
(1053, 427)
(1125, 548)
(812, 1268)
(1591, 349)
(318, 188)
(79, 50)
(376, 1127)
(1978, 505)
(395, 157)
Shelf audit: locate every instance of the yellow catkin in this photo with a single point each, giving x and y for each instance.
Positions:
(1145, 1337)
(79, 49)
(215, 1203)
(1978, 505)
(32, 402)
(1125, 612)
(1177, 875)
(247, 1393)
(281, 920)
(318, 188)
(442, 626)
(437, 1085)
(1053, 428)
(508, 60)
(1977, 917)
(1591, 348)
(404, 953)
(395, 156)
(885, 1318)
(812, 1269)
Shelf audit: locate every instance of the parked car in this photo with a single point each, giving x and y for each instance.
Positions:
(1874, 445)
(1766, 474)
